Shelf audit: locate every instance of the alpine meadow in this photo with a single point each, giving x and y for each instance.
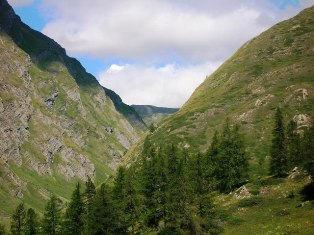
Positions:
(236, 158)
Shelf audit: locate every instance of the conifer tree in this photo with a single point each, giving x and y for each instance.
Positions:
(73, 223)
(119, 193)
(230, 159)
(2, 229)
(102, 214)
(18, 220)
(88, 198)
(293, 145)
(32, 225)
(279, 161)
(308, 152)
(51, 224)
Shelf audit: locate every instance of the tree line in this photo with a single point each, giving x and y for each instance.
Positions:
(168, 190)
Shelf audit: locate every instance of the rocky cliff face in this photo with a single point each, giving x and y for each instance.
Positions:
(57, 125)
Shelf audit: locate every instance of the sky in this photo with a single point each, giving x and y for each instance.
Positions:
(153, 52)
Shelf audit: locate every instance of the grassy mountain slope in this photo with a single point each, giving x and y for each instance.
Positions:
(57, 124)
(152, 114)
(274, 69)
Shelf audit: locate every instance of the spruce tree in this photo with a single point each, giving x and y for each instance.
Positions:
(293, 145)
(88, 198)
(51, 224)
(308, 152)
(279, 161)
(119, 193)
(73, 223)
(32, 225)
(102, 214)
(18, 220)
(2, 229)
(230, 159)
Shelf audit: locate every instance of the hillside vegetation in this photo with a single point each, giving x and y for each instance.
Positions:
(57, 124)
(274, 69)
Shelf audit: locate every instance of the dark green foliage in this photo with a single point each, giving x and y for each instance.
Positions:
(228, 159)
(32, 224)
(308, 152)
(279, 161)
(88, 198)
(73, 223)
(293, 144)
(2, 230)
(51, 224)
(102, 214)
(18, 220)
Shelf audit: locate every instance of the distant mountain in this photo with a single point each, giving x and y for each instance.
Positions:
(57, 124)
(274, 69)
(152, 114)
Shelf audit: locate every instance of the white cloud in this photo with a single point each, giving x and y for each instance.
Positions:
(114, 68)
(168, 86)
(19, 3)
(142, 29)
(196, 35)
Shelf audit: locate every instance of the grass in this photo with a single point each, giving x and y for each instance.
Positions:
(270, 212)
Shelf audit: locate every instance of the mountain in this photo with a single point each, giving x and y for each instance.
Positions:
(152, 114)
(57, 124)
(274, 69)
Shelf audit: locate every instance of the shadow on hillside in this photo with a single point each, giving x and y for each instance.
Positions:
(308, 192)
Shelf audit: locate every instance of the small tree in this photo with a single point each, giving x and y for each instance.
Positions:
(51, 223)
(279, 161)
(18, 220)
(31, 227)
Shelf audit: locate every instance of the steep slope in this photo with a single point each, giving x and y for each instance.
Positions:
(57, 124)
(152, 114)
(274, 69)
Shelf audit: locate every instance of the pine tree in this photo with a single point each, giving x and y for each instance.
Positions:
(18, 220)
(229, 159)
(73, 223)
(119, 193)
(293, 145)
(89, 195)
(131, 200)
(279, 161)
(51, 223)
(32, 225)
(308, 152)
(102, 215)
(2, 230)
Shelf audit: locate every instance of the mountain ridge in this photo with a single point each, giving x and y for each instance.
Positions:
(57, 124)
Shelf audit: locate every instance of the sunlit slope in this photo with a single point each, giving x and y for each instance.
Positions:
(273, 69)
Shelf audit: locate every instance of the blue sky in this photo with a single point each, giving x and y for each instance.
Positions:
(153, 51)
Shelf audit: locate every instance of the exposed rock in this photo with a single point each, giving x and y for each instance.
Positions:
(51, 100)
(109, 129)
(302, 120)
(242, 193)
(123, 140)
(295, 173)
(302, 94)
(263, 101)
(74, 164)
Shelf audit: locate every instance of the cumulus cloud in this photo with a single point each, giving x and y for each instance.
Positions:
(153, 28)
(19, 3)
(191, 37)
(169, 85)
